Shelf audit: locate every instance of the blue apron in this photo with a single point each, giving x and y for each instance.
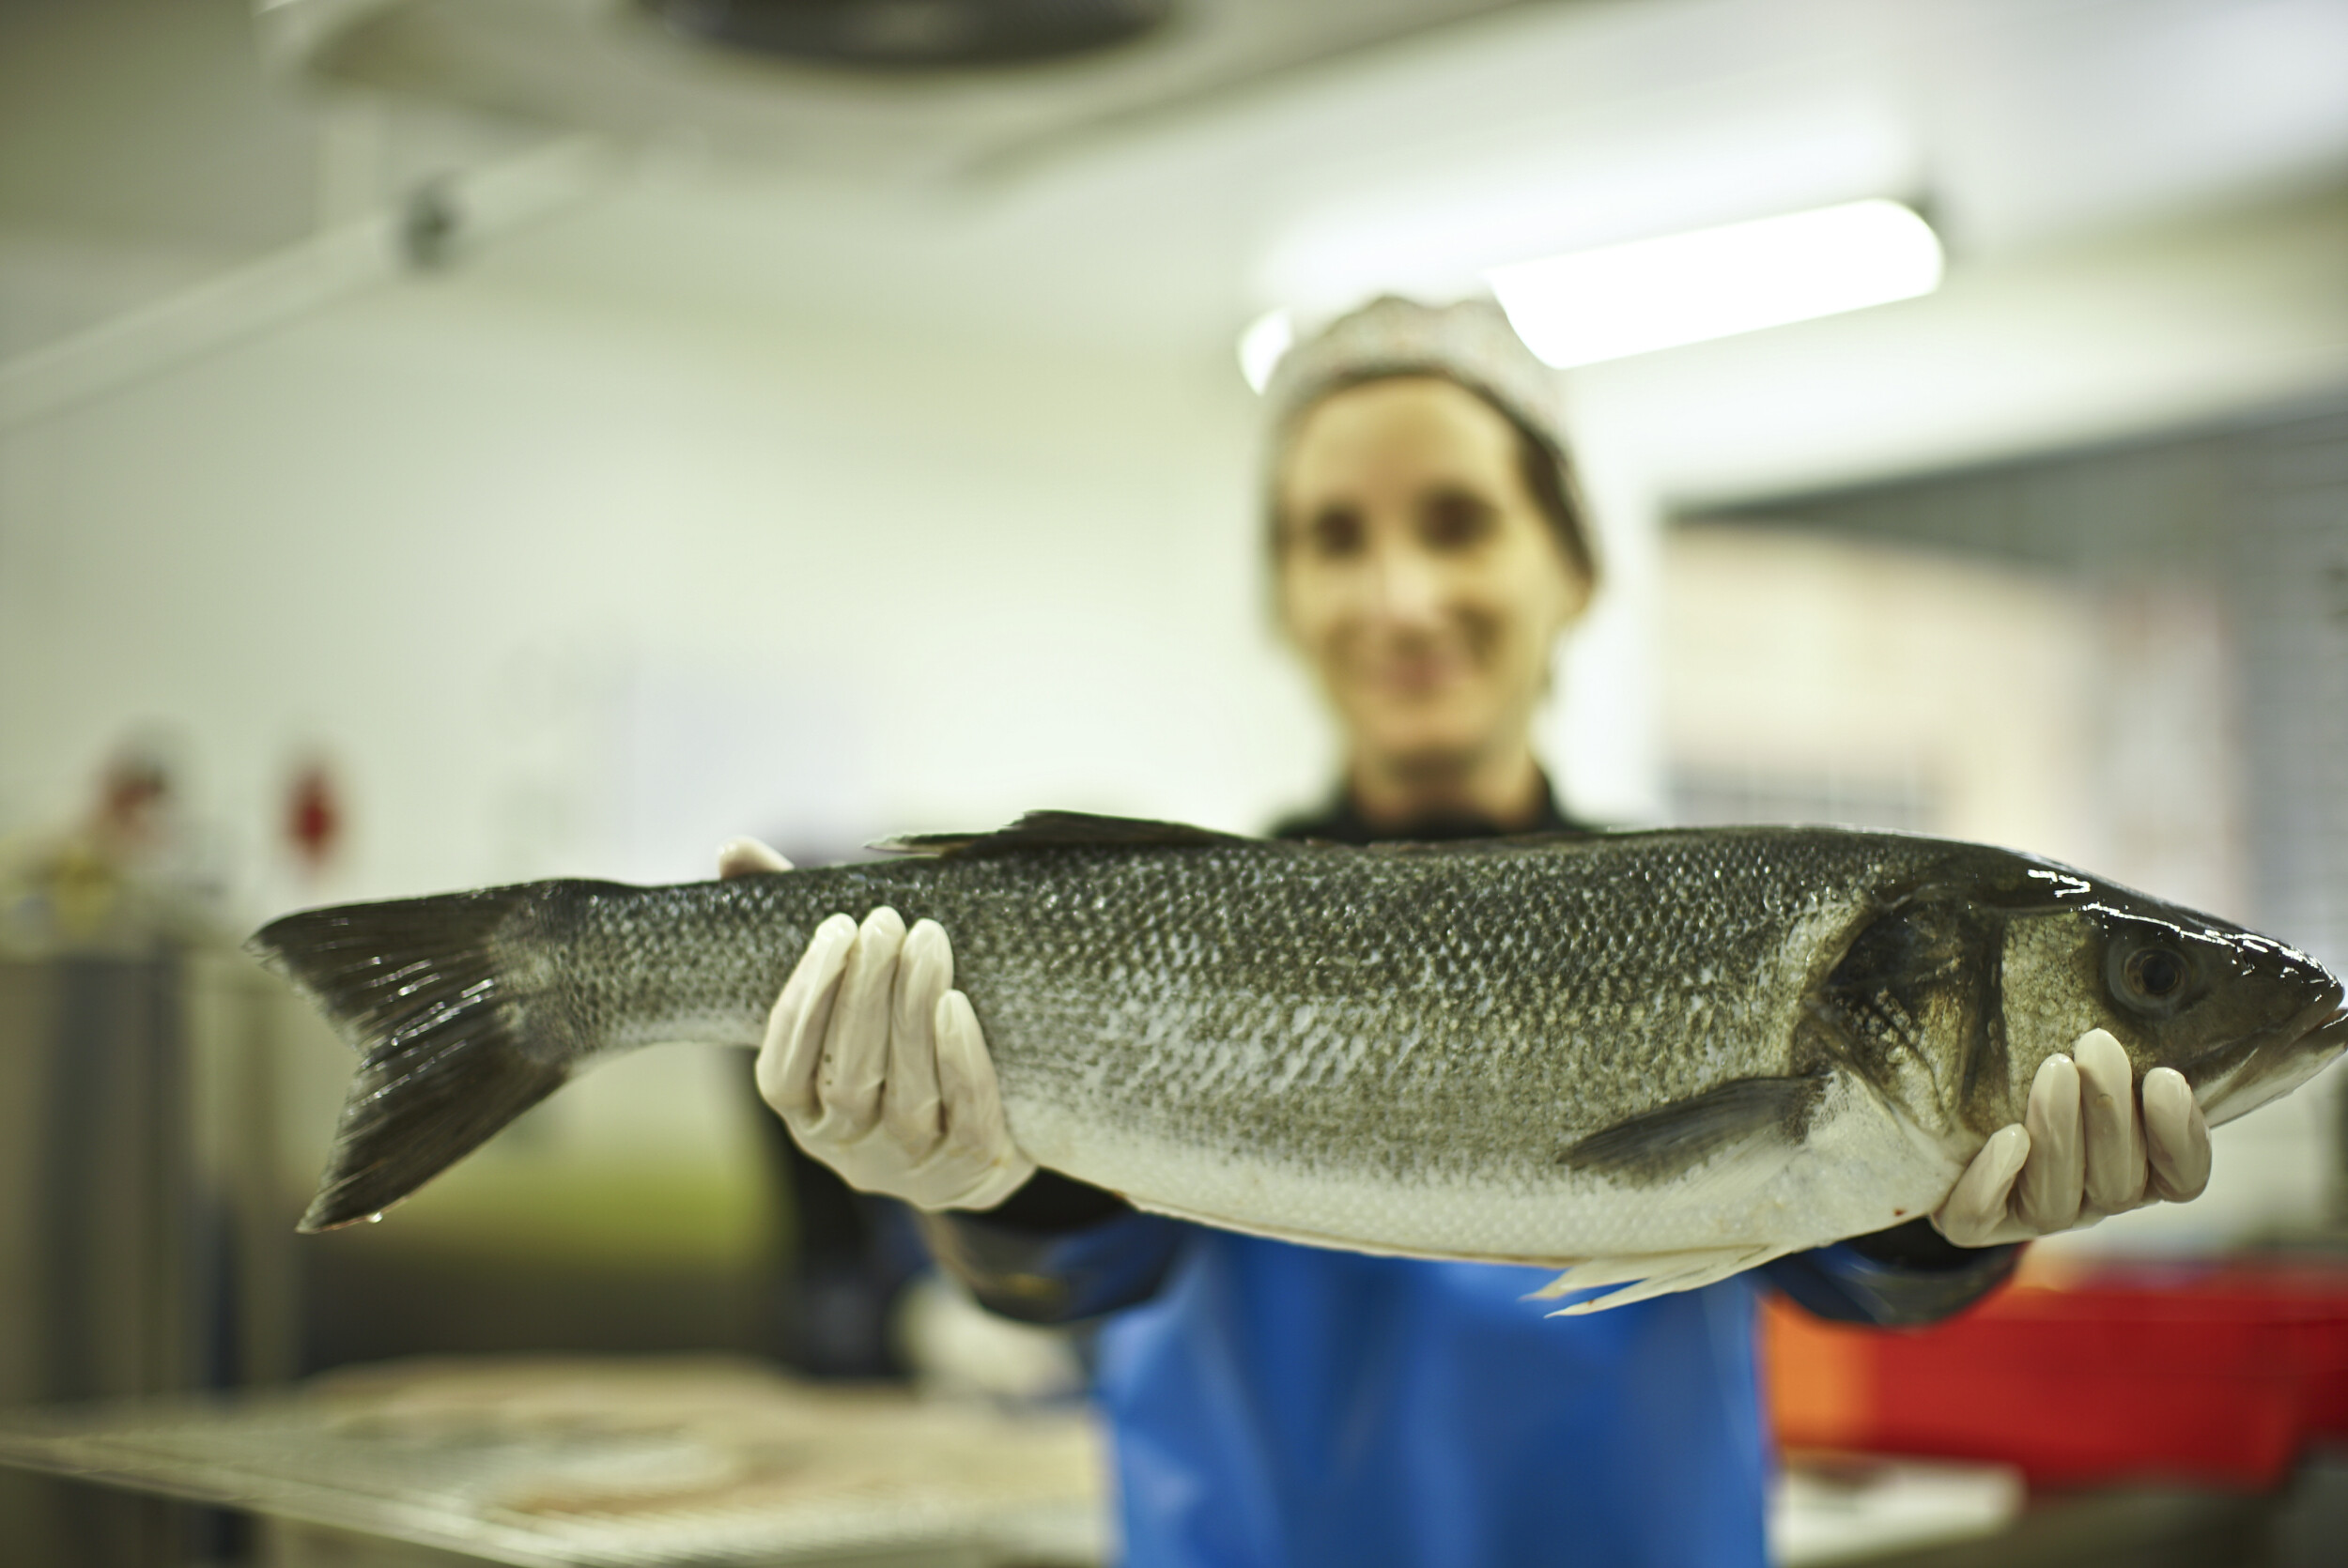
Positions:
(1278, 1406)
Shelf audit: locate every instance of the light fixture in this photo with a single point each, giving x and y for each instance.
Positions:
(1267, 338)
(1622, 299)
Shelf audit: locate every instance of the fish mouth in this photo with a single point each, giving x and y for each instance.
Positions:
(2270, 1064)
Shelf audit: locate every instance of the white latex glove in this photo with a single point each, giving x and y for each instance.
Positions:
(2083, 1150)
(876, 1063)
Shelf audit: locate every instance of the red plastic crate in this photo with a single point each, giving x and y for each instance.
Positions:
(2219, 1374)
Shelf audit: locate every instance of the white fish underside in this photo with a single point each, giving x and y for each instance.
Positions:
(1863, 1167)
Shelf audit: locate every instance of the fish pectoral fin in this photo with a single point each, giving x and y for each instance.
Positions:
(1744, 1130)
(1654, 1274)
(1062, 830)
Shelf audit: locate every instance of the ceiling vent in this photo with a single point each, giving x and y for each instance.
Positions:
(915, 35)
(890, 90)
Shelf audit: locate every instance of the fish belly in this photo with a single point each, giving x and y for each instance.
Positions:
(1860, 1167)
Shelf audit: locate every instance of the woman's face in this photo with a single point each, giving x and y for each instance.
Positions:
(1417, 575)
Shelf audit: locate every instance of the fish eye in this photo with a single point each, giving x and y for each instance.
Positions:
(2151, 976)
(2155, 972)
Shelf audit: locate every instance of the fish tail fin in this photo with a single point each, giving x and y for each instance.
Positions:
(449, 1054)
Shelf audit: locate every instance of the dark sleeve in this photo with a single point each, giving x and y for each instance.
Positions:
(1056, 1250)
(1895, 1279)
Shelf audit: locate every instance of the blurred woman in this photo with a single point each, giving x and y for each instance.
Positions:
(1276, 1403)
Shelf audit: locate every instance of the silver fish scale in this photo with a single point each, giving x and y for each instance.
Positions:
(1417, 1013)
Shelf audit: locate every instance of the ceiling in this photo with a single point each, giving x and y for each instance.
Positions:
(1312, 151)
(613, 66)
(2143, 199)
(1497, 126)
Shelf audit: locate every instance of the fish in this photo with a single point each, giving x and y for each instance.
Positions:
(1651, 1059)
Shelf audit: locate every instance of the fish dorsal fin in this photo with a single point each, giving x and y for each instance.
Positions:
(1431, 848)
(1063, 830)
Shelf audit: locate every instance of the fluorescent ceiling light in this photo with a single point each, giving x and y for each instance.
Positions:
(1260, 347)
(1623, 300)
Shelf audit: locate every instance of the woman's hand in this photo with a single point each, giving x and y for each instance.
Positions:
(2084, 1149)
(876, 1063)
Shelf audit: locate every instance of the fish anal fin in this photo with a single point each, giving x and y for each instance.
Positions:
(1590, 1273)
(1062, 830)
(1660, 1274)
(1763, 1119)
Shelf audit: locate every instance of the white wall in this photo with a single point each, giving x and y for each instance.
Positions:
(572, 581)
(481, 544)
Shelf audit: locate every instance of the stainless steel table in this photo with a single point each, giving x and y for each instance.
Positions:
(614, 1463)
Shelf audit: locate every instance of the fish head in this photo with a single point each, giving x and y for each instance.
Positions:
(2245, 1018)
(1963, 975)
